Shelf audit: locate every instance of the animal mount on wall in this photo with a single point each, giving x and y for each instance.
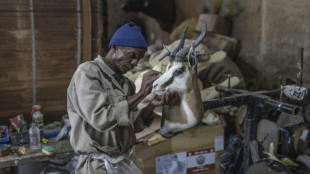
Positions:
(181, 77)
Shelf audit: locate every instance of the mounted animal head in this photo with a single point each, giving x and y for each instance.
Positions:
(181, 76)
(179, 72)
(163, 11)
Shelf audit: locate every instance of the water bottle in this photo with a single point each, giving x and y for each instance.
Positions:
(37, 116)
(34, 136)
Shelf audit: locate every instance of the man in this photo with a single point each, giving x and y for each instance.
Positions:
(102, 106)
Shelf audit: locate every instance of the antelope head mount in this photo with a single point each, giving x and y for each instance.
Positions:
(181, 76)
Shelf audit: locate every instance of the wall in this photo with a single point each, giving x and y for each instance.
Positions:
(56, 32)
(271, 33)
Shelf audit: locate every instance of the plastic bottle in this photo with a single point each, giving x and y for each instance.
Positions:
(37, 116)
(34, 136)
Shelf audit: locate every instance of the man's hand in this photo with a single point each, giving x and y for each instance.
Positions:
(146, 88)
(161, 100)
(147, 82)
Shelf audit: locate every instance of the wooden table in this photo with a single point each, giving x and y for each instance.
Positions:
(63, 150)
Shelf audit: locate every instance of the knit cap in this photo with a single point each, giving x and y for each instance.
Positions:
(128, 35)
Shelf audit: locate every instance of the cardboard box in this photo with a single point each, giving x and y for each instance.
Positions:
(196, 150)
(215, 24)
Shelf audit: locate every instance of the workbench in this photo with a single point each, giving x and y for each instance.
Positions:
(63, 150)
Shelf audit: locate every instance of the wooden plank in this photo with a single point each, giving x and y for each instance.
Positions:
(15, 79)
(13, 23)
(55, 115)
(50, 107)
(11, 35)
(96, 35)
(14, 62)
(55, 2)
(69, 44)
(41, 14)
(19, 59)
(53, 108)
(55, 93)
(14, 97)
(104, 32)
(13, 2)
(58, 67)
(44, 55)
(56, 73)
(15, 66)
(15, 85)
(63, 150)
(52, 99)
(56, 44)
(56, 14)
(96, 27)
(55, 5)
(56, 22)
(56, 34)
(18, 55)
(14, 102)
(46, 83)
(13, 5)
(12, 76)
(86, 23)
(15, 14)
(23, 5)
(18, 45)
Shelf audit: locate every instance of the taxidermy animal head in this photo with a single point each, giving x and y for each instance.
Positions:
(181, 76)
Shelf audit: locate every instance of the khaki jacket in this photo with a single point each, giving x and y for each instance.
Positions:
(99, 116)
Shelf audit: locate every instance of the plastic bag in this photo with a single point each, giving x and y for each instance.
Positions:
(229, 157)
(125, 166)
(125, 163)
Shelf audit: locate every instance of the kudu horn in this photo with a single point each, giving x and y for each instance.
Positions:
(182, 53)
(179, 47)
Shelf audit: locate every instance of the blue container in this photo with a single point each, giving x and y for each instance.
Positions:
(5, 139)
(50, 133)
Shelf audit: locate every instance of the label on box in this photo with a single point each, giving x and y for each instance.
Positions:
(186, 162)
(219, 143)
(175, 163)
(200, 160)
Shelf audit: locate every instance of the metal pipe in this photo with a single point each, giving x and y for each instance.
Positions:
(79, 34)
(300, 66)
(33, 44)
(284, 107)
(229, 90)
(219, 102)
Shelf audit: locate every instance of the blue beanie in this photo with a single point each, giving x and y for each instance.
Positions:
(129, 35)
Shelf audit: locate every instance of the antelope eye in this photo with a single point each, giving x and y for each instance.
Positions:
(177, 72)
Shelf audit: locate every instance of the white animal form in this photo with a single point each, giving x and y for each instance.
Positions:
(181, 76)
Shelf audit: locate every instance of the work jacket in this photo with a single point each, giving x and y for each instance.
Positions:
(98, 111)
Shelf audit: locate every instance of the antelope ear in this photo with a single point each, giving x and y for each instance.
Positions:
(192, 60)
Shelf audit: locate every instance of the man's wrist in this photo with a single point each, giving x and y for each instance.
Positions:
(141, 94)
(148, 113)
(151, 106)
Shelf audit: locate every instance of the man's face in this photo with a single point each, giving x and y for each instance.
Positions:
(126, 58)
